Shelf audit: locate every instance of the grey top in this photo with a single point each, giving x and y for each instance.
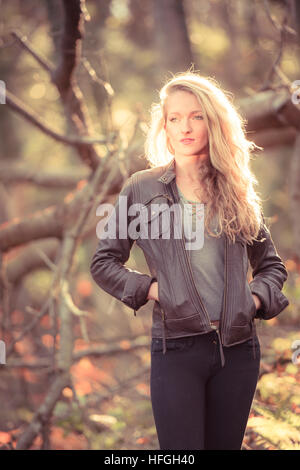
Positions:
(206, 256)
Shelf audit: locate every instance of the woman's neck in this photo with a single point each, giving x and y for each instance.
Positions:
(191, 170)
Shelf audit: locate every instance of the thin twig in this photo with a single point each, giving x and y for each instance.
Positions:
(43, 61)
(15, 104)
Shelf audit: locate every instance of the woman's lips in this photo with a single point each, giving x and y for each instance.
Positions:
(187, 141)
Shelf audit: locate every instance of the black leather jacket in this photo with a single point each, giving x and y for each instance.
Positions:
(180, 310)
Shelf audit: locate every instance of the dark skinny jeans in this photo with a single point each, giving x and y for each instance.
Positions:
(198, 404)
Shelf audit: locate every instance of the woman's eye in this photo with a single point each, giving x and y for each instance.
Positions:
(198, 117)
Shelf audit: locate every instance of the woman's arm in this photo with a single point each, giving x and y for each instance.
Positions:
(269, 275)
(107, 265)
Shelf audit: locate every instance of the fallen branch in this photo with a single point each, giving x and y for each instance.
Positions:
(68, 180)
(140, 342)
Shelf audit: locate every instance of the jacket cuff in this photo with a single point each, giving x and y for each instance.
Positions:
(136, 290)
(273, 301)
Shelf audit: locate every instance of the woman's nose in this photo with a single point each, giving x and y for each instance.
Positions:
(185, 126)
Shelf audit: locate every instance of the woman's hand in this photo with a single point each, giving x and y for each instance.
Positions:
(153, 291)
(256, 301)
(153, 295)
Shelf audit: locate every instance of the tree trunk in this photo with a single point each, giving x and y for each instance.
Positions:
(171, 36)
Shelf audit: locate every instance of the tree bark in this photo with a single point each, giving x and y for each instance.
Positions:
(171, 36)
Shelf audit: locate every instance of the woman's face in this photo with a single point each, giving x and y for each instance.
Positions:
(185, 127)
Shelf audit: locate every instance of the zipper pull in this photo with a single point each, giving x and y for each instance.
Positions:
(134, 311)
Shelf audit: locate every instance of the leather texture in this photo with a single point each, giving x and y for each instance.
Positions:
(180, 311)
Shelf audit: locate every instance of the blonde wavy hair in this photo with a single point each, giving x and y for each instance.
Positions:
(227, 180)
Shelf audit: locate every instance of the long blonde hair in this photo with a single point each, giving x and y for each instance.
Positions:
(228, 181)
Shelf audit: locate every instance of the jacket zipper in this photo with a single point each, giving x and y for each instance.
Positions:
(222, 329)
(221, 333)
(162, 310)
(212, 326)
(191, 272)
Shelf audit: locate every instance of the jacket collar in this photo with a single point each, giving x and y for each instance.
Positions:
(169, 173)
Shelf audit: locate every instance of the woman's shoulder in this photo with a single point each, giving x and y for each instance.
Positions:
(146, 183)
(149, 174)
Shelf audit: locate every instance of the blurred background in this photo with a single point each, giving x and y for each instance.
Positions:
(79, 79)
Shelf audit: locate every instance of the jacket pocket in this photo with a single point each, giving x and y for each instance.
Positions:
(155, 219)
(274, 301)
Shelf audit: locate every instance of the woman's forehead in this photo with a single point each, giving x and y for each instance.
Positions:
(181, 101)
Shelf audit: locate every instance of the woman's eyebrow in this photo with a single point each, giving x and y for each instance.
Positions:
(192, 112)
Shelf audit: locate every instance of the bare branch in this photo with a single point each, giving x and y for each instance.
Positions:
(283, 36)
(112, 350)
(29, 326)
(52, 221)
(274, 137)
(92, 73)
(32, 257)
(282, 28)
(270, 109)
(69, 245)
(22, 109)
(44, 412)
(75, 310)
(43, 61)
(96, 351)
(9, 175)
(63, 77)
(43, 224)
(70, 45)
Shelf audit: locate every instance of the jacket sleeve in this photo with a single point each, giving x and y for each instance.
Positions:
(269, 275)
(108, 263)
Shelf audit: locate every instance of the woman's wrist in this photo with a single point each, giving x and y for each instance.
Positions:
(257, 301)
(153, 291)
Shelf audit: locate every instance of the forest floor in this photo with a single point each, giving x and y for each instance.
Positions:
(274, 421)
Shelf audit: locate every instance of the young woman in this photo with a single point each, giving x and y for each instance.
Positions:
(200, 222)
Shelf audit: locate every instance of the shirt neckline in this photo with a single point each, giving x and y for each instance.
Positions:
(187, 200)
